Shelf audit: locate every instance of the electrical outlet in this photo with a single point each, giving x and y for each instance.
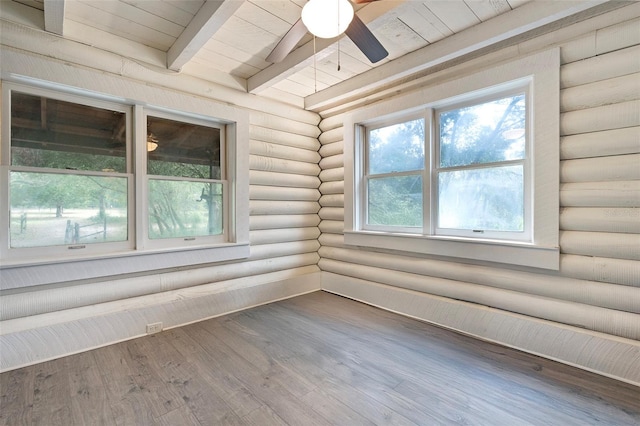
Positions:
(155, 327)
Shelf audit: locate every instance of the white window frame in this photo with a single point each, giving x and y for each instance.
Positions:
(541, 251)
(24, 267)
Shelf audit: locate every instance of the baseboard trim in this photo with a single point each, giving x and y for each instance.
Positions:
(39, 338)
(607, 355)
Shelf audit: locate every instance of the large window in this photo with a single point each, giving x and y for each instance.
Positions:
(87, 175)
(467, 168)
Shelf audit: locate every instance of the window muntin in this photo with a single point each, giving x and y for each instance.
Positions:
(67, 179)
(186, 179)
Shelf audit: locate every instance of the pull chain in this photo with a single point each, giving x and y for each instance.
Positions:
(315, 67)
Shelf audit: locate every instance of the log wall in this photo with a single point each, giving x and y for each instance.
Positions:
(596, 292)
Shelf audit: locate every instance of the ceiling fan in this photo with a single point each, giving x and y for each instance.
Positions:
(340, 11)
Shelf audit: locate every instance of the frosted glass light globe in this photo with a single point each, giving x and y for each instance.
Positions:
(327, 18)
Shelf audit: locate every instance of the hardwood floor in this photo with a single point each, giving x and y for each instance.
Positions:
(317, 359)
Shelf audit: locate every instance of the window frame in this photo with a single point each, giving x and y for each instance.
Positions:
(542, 71)
(54, 265)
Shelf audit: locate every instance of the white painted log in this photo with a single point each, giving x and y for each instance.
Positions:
(283, 221)
(332, 226)
(304, 125)
(272, 236)
(600, 194)
(332, 240)
(290, 248)
(257, 207)
(599, 144)
(331, 136)
(610, 321)
(578, 48)
(625, 114)
(602, 269)
(258, 177)
(281, 193)
(331, 213)
(272, 150)
(336, 187)
(330, 149)
(332, 122)
(333, 200)
(597, 294)
(332, 175)
(611, 65)
(598, 219)
(282, 137)
(619, 36)
(605, 92)
(283, 166)
(601, 244)
(61, 298)
(332, 162)
(612, 168)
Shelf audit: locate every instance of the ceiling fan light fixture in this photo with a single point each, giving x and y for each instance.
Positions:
(327, 18)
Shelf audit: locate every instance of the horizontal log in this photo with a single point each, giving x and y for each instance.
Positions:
(283, 221)
(332, 122)
(332, 240)
(601, 244)
(332, 226)
(258, 177)
(600, 194)
(272, 236)
(282, 207)
(332, 162)
(290, 248)
(333, 200)
(280, 193)
(610, 321)
(601, 269)
(624, 114)
(282, 137)
(610, 65)
(612, 168)
(553, 287)
(336, 187)
(300, 126)
(62, 298)
(330, 149)
(599, 219)
(331, 136)
(267, 149)
(605, 92)
(284, 166)
(331, 213)
(618, 36)
(600, 144)
(332, 175)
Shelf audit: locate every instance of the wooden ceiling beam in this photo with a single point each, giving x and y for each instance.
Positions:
(528, 17)
(54, 16)
(209, 19)
(302, 56)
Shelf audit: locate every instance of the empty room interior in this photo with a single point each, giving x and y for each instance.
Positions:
(294, 212)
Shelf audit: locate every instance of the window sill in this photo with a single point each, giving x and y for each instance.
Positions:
(27, 273)
(512, 253)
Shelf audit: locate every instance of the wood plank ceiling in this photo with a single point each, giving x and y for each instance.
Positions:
(226, 42)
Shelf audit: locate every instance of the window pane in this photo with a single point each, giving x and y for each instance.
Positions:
(396, 148)
(184, 209)
(482, 199)
(63, 135)
(395, 201)
(183, 149)
(54, 209)
(484, 133)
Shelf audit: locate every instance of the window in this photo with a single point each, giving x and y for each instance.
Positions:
(88, 176)
(466, 168)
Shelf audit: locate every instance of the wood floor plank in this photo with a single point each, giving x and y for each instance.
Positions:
(316, 359)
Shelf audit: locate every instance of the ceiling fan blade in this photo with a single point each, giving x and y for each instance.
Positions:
(366, 41)
(288, 42)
